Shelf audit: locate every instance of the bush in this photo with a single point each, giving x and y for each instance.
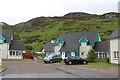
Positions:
(28, 47)
(41, 55)
(91, 56)
(107, 60)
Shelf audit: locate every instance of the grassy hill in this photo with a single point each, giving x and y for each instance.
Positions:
(38, 35)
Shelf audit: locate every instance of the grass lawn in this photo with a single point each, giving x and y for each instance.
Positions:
(16, 59)
(96, 65)
(2, 67)
(40, 61)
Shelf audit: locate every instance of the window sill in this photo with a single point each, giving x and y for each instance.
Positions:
(115, 58)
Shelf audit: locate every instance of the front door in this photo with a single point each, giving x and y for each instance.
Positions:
(63, 55)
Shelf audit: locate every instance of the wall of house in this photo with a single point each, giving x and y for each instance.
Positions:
(15, 56)
(67, 54)
(56, 49)
(4, 49)
(114, 47)
(102, 55)
(85, 50)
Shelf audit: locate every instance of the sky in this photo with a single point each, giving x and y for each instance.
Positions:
(16, 11)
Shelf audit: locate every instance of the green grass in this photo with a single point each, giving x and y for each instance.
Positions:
(2, 67)
(96, 65)
(16, 59)
(40, 61)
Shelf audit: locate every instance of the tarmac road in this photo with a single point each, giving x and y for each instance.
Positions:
(32, 69)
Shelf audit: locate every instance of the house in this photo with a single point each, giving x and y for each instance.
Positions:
(10, 48)
(79, 44)
(102, 49)
(115, 46)
(49, 48)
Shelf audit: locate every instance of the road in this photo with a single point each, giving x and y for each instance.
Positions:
(32, 69)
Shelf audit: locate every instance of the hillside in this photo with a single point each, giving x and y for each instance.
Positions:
(37, 31)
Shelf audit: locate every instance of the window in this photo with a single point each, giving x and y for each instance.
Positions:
(83, 44)
(10, 53)
(82, 53)
(103, 55)
(116, 54)
(72, 53)
(13, 53)
(17, 54)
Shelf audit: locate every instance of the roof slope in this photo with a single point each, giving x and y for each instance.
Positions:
(115, 34)
(102, 46)
(17, 45)
(72, 40)
(49, 47)
(7, 34)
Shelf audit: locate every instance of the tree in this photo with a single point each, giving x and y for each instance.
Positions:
(91, 55)
(28, 47)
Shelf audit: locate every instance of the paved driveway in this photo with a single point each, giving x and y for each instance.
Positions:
(32, 69)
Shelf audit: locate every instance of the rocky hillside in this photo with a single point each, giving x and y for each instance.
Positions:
(110, 15)
(39, 21)
(80, 16)
(42, 21)
(3, 24)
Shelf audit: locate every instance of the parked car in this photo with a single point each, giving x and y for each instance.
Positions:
(75, 60)
(52, 58)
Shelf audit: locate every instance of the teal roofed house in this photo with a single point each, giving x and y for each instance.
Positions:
(10, 48)
(79, 44)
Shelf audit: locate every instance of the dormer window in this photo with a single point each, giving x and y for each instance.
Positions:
(60, 42)
(83, 44)
(83, 41)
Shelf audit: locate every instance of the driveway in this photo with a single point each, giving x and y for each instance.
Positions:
(32, 69)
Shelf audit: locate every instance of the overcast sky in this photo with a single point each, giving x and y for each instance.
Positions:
(16, 11)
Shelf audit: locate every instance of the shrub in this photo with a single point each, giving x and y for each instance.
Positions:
(91, 56)
(28, 47)
(107, 60)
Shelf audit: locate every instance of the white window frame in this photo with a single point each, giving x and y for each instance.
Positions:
(17, 53)
(72, 53)
(115, 54)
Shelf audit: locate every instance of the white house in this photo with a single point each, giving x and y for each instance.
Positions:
(115, 47)
(10, 48)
